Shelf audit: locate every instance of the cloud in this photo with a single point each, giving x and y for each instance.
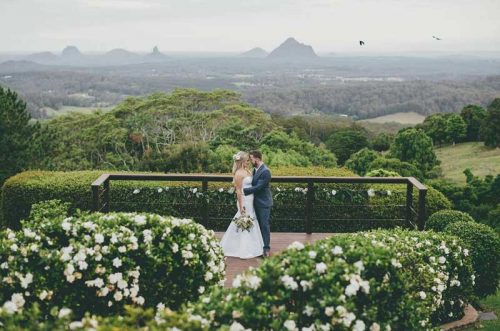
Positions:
(117, 4)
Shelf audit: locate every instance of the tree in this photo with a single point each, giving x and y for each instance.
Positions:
(473, 116)
(414, 146)
(382, 142)
(17, 135)
(404, 169)
(490, 130)
(346, 142)
(360, 161)
(435, 126)
(456, 128)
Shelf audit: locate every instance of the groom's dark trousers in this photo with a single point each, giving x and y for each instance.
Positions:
(262, 201)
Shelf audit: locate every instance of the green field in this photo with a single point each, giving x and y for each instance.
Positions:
(71, 109)
(403, 118)
(474, 155)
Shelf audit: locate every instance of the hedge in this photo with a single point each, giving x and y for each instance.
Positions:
(380, 280)
(374, 207)
(439, 220)
(483, 244)
(98, 263)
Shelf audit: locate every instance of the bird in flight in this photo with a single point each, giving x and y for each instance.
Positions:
(361, 43)
(436, 38)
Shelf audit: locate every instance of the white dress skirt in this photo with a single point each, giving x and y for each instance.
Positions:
(244, 244)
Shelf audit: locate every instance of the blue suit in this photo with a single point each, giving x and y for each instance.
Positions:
(262, 201)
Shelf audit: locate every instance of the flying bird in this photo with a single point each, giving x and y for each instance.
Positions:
(436, 38)
(361, 43)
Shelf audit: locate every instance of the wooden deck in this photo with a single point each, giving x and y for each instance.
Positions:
(279, 242)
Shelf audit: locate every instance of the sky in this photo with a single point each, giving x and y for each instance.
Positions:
(391, 26)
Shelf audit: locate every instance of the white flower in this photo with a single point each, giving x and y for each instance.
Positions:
(75, 325)
(122, 249)
(25, 281)
(375, 327)
(348, 319)
(221, 190)
(117, 262)
(43, 295)
(209, 276)
(442, 259)
(18, 300)
(140, 300)
(466, 252)
(201, 289)
(359, 326)
(195, 190)
(422, 295)
(289, 282)
(237, 282)
(334, 192)
(321, 268)
(9, 307)
(352, 289)
(312, 254)
(99, 238)
(160, 190)
(371, 192)
(140, 219)
(118, 296)
(290, 325)
(254, 282)
(359, 265)
(308, 310)
(66, 225)
(192, 236)
(296, 245)
(305, 285)
(329, 311)
(337, 250)
(114, 278)
(136, 191)
(64, 312)
(236, 327)
(175, 248)
(389, 192)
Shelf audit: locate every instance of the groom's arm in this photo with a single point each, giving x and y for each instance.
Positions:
(262, 182)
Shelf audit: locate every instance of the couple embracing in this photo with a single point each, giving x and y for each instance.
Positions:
(254, 202)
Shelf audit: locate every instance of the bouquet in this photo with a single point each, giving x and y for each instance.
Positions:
(243, 222)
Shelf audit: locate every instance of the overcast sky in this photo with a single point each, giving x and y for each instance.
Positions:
(238, 25)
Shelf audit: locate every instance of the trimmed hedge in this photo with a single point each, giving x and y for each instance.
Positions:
(381, 280)
(98, 263)
(484, 246)
(439, 220)
(186, 200)
(378, 280)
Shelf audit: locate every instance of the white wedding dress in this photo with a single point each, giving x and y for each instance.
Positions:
(244, 244)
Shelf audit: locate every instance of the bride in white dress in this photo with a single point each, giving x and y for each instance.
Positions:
(241, 243)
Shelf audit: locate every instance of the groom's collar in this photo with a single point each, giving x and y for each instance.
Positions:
(261, 165)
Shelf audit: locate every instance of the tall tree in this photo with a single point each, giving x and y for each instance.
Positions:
(346, 142)
(16, 134)
(474, 116)
(490, 130)
(456, 128)
(435, 127)
(414, 146)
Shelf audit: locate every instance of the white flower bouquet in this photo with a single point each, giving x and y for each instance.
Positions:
(243, 222)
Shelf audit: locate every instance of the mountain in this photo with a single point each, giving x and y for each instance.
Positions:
(292, 49)
(71, 53)
(43, 58)
(256, 52)
(156, 56)
(119, 56)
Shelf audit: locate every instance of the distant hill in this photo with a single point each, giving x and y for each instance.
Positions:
(155, 56)
(120, 54)
(292, 49)
(43, 58)
(71, 52)
(256, 52)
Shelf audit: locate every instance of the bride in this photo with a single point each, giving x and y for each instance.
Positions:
(236, 242)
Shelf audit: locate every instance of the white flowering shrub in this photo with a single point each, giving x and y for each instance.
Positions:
(99, 263)
(438, 269)
(381, 280)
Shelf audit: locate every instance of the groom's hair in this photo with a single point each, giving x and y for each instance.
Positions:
(256, 154)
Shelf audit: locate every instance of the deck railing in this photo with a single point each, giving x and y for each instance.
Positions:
(413, 216)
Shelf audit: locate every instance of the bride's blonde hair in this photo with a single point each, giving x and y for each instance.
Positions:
(240, 161)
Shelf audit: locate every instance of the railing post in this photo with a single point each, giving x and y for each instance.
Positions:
(204, 213)
(95, 198)
(421, 208)
(409, 201)
(106, 196)
(309, 206)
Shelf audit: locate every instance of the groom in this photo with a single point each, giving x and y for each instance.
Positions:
(263, 200)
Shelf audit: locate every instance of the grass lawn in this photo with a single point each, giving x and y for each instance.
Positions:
(474, 155)
(404, 118)
(491, 303)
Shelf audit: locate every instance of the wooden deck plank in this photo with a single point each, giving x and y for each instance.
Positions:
(279, 242)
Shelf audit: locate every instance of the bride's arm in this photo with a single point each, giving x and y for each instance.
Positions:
(238, 184)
